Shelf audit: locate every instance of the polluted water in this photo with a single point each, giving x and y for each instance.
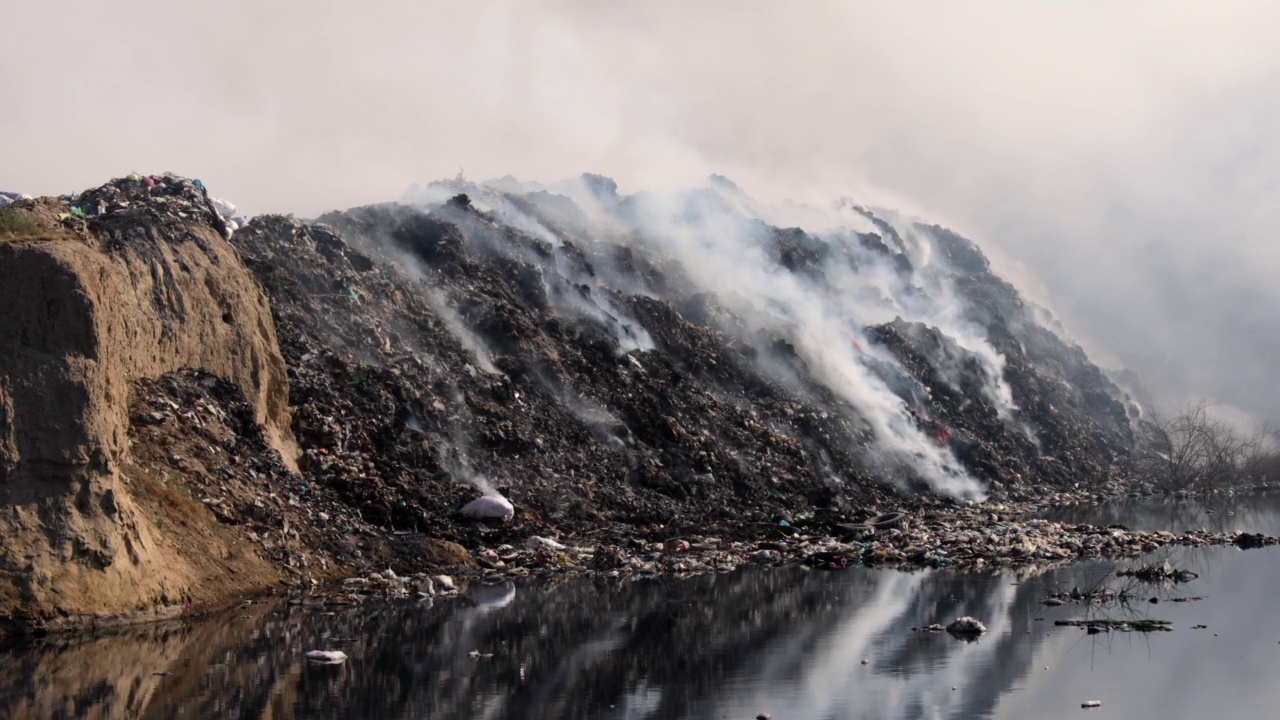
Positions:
(789, 642)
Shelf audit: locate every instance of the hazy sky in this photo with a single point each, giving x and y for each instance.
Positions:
(1120, 157)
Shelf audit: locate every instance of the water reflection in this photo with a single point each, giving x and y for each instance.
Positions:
(790, 642)
(491, 597)
(1252, 513)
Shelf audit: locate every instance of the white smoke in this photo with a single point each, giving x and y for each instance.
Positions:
(727, 252)
(572, 288)
(854, 269)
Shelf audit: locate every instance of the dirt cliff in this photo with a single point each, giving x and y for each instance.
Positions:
(140, 285)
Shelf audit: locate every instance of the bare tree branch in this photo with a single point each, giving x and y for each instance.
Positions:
(1195, 451)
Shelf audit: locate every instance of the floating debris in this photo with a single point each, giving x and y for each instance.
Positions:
(966, 627)
(1097, 626)
(1158, 572)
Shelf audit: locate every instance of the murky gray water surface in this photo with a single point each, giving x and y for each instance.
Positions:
(1251, 513)
(789, 642)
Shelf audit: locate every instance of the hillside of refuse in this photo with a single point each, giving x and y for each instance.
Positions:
(200, 406)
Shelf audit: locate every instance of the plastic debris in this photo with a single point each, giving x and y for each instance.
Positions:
(167, 199)
(966, 626)
(7, 198)
(231, 216)
(228, 211)
(540, 543)
(489, 507)
(326, 657)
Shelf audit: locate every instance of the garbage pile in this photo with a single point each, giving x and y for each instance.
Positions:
(387, 394)
(154, 201)
(198, 427)
(623, 416)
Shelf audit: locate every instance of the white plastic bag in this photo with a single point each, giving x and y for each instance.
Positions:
(224, 208)
(12, 197)
(489, 507)
(327, 657)
(537, 542)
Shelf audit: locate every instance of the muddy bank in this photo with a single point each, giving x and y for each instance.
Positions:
(313, 401)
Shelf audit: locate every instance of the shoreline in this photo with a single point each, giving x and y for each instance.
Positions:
(969, 538)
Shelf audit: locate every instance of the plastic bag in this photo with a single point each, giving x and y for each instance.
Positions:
(489, 507)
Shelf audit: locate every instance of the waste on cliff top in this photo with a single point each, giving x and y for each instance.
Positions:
(165, 200)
